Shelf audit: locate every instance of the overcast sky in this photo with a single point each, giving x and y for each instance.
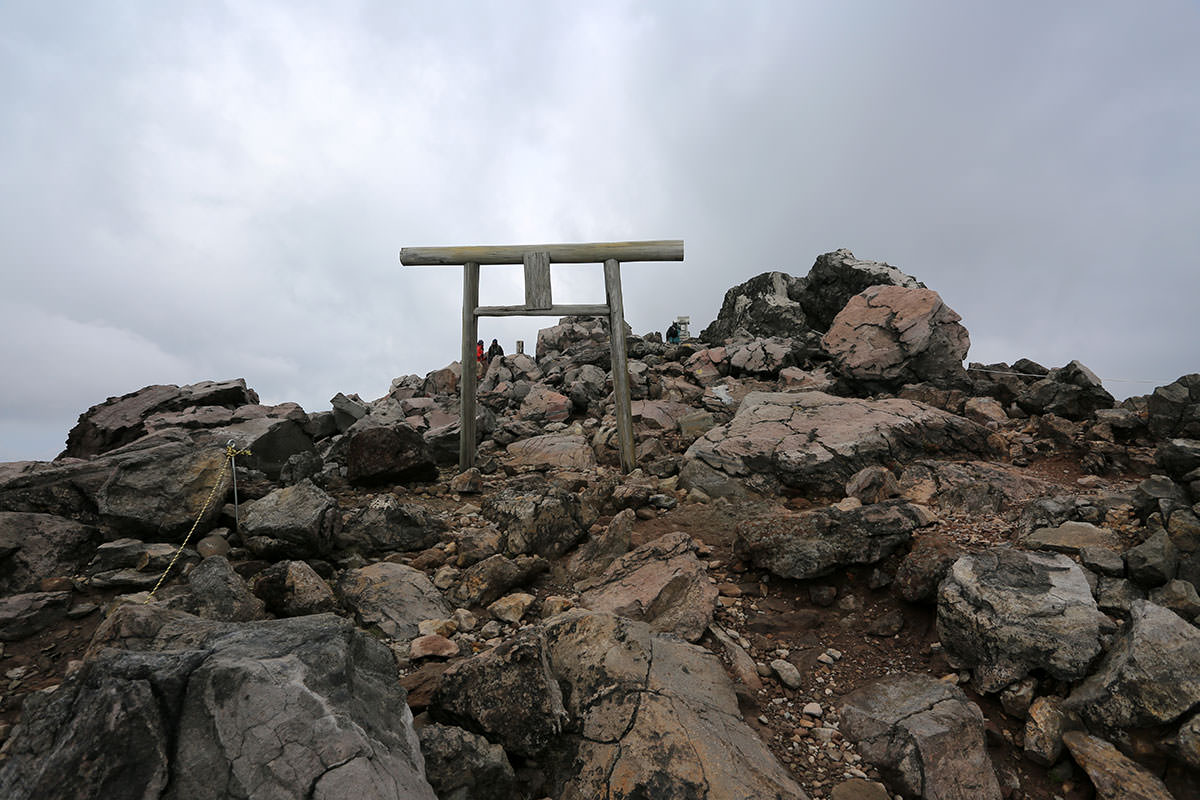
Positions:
(199, 190)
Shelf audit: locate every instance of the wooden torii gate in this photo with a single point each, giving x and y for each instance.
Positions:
(537, 259)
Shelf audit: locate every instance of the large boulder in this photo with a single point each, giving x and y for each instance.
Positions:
(293, 589)
(391, 598)
(293, 522)
(1174, 409)
(218, 592)
(387, 454)
(37, 546)
(461, 765)
(891, 335)
(611, 709)
(1148, 677)
(120, 420)
(810, 544)
(1007, 612)
(169, 705)
(816, 442)
(387, 524)
(661, 583)
(923, 735)
(1114, 774)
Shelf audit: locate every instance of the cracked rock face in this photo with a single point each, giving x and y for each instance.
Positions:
(1149, 677)
(816, 442)
(766, 305)
(924, 735)
(662, 583)
(188, 708)
(613, 710)
(1006, 612)
(895, 334)
(814, 543)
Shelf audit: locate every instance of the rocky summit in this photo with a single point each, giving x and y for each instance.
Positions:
(848, 565)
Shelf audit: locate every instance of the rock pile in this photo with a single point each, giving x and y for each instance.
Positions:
(846, 567)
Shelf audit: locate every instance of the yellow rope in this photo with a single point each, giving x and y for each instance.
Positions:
(230, 452)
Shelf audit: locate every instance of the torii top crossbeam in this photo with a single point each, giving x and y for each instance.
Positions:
(537, 259)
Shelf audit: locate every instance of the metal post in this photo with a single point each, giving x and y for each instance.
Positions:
(467, 385)
(620, 367)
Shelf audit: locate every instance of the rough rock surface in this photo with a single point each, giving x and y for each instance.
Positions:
(295, 521)
(461, 765)
(542, 521)
(637, 715)
(394, 453)
(661, 583)
(120, 420)
(1174, 409)
(293, 589)
(36, 546)
(895, 335)
(216, 710)
(552, 450)
(764, 306)
(815, 441)
(391, 598)
(810, 544)
(1148, 677)
(924, 735)
(387, 524)
(1006, 612)
(1115, 776)
(1072, 392)
(220, 593)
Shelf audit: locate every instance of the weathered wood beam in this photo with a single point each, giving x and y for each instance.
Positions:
(552, 311)
(620, 367)
(582, 253)
(466, 384)
(537, 280)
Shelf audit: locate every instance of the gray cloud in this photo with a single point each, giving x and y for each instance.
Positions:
(208, 191)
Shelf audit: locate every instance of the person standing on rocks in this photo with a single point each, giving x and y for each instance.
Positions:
(494, 350)
(673, 334)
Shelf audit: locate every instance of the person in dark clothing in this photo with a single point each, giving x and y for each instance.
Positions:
(494, 350)
(673, 334)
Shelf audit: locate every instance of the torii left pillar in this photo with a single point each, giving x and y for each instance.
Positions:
(537, 259)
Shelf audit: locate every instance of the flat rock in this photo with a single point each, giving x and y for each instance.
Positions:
(924, 736)
(1006, 612)
(1072, 537)
(22, 615)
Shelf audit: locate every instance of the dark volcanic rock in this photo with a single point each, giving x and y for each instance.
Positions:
(542, 521)
(463, 766)
(387, 524)
(393, 453)
(296, 521)
(1073, 392)
(810, 544)
(836, 277)
(189, 707)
